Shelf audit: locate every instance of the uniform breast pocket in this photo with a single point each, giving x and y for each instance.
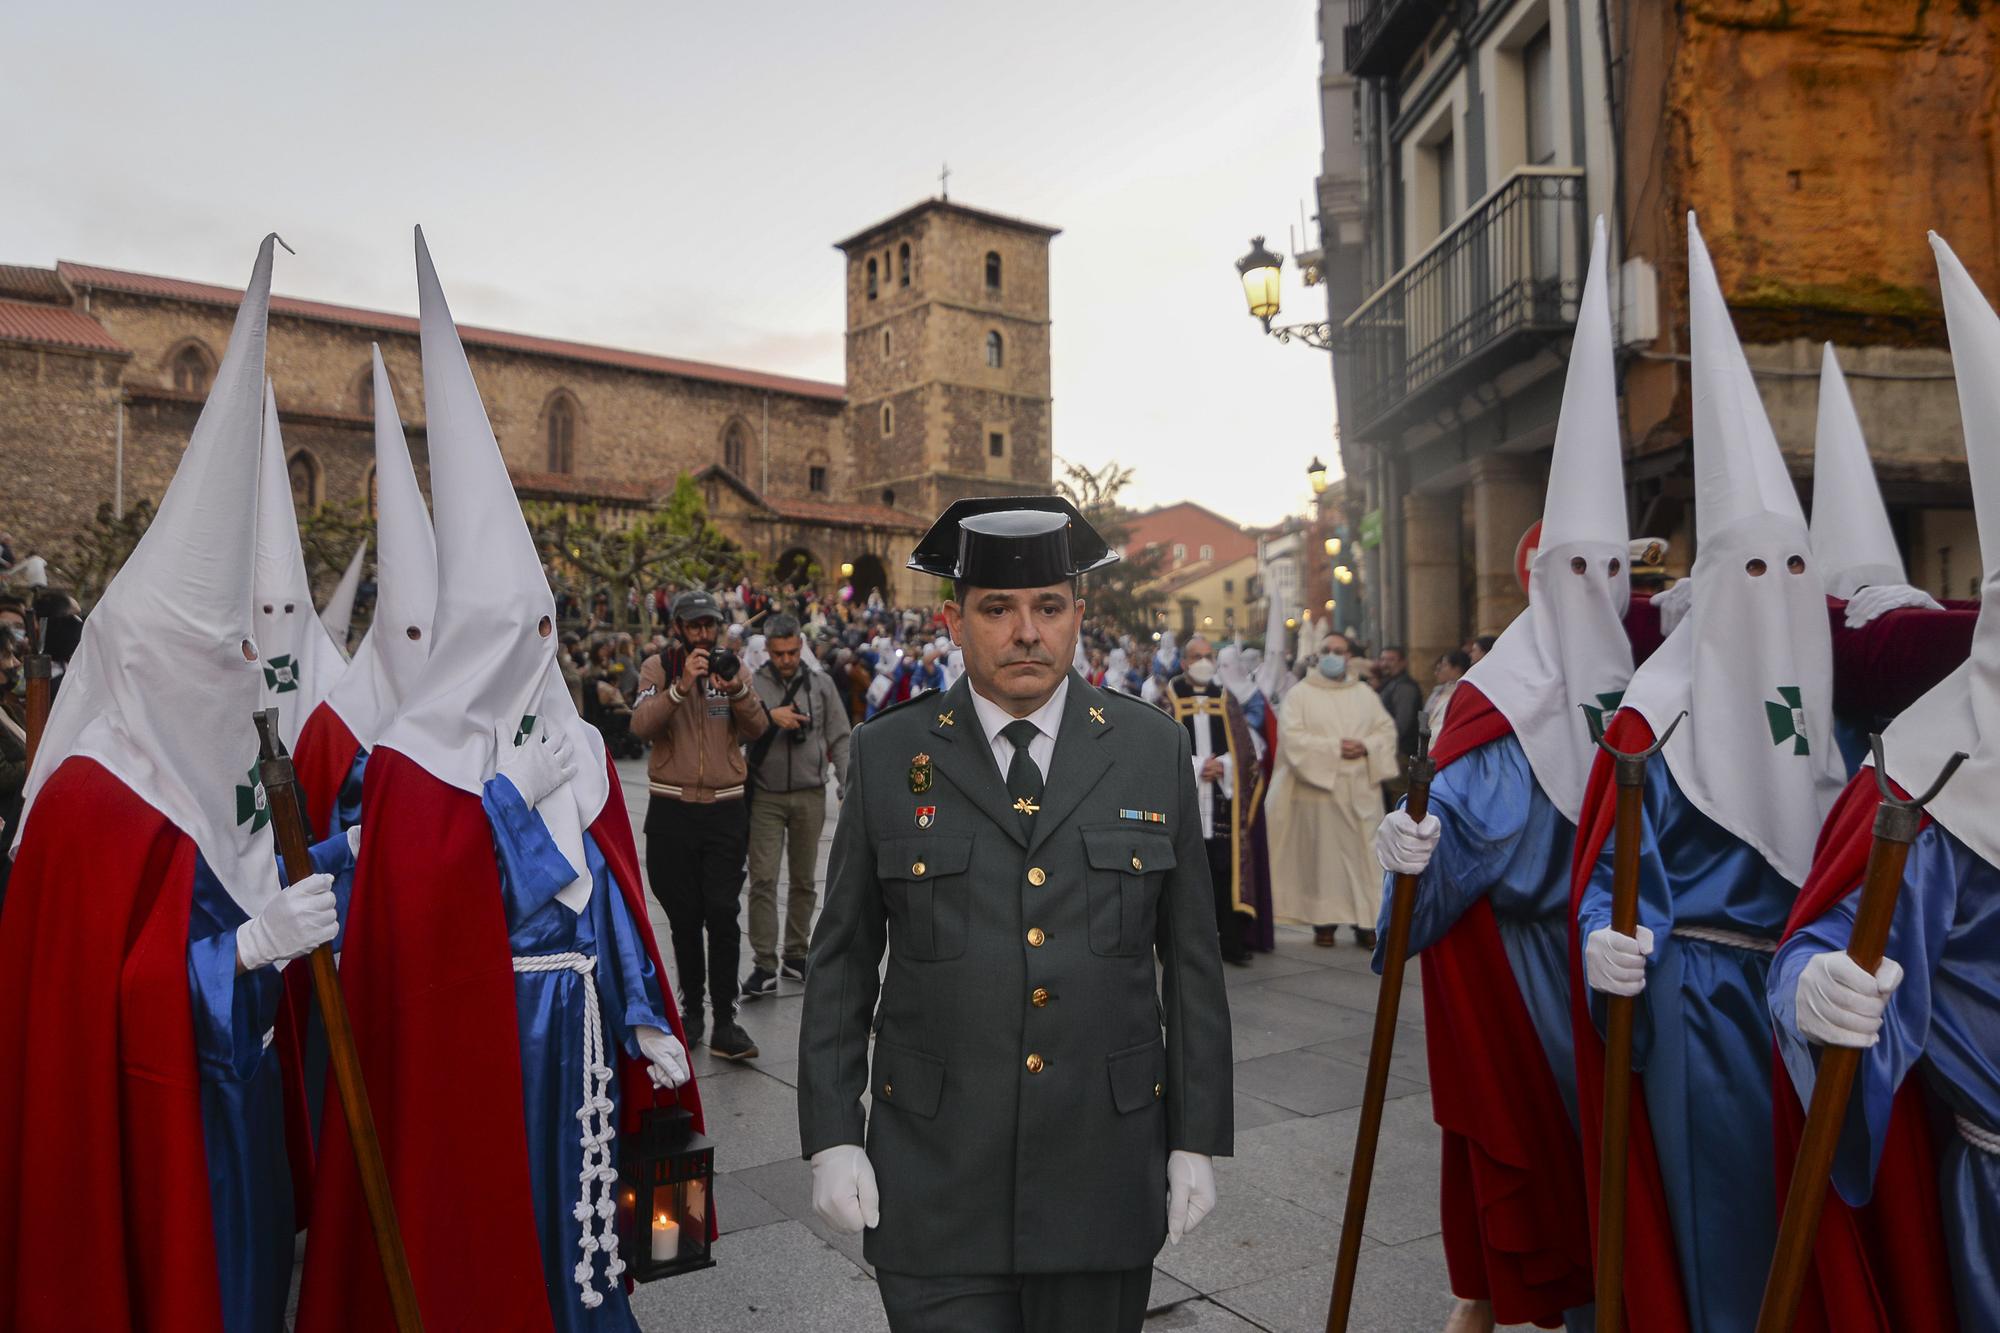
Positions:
(1127, 867)
(924, 882)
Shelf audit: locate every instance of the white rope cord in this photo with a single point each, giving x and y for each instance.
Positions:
(1978, 1135)
(597, 1129)
(1728, 939)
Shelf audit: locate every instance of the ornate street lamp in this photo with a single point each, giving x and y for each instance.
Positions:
(1259, 271)
(1316, 474)
(1333, 546)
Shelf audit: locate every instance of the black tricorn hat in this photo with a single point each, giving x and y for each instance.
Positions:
(1011, 541)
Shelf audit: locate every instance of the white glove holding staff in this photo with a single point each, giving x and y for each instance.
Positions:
(1616, 964)
(1190, 1192)
(1878, 599)
(537, 766)
(292, 925)
(844, 1193)
(1839, 1004)
(666, 1058)
(1403, 845)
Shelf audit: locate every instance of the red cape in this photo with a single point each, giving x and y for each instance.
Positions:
(323, 759)
(430, 989)
(104, 1196)
(1881, 1266)
(1653, 1299)
(1512, 1194)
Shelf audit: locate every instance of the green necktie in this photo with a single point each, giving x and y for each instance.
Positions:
(1024, 777)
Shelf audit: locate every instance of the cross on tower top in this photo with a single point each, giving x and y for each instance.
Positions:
(944, 181)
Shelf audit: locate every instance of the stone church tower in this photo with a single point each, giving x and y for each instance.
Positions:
(947, 357)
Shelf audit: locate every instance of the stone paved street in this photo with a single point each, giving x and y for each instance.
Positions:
(1264, 1260)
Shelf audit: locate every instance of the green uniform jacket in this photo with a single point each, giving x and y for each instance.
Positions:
(1031, 1066)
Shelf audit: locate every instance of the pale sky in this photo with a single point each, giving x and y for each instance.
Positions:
(671, 177)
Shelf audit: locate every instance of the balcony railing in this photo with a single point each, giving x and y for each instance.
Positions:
(1510, 270)
(1380, 34)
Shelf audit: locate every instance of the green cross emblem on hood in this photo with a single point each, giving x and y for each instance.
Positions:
(280, 675)
(526, 729)
(252, 807)
(1606, 705)
(1787, 719)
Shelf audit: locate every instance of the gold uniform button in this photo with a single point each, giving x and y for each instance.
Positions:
(1136, 864)
(889, 1090)
(1037, 876)
(917, 869)
(1034, 1064)
(1037, 937)
(1039, 997)
(1156, 1090)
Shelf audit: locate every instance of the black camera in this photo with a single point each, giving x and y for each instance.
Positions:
(723, 663)
(799, 734)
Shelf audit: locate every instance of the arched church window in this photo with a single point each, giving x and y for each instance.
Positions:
(562, 435)
(303, 469)
(191, 369)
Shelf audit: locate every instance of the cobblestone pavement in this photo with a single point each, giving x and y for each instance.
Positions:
(1301, 1017)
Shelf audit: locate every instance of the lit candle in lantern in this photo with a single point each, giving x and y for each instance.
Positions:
(666, 1238)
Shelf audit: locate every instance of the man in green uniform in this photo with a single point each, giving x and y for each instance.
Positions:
(1045, 1101)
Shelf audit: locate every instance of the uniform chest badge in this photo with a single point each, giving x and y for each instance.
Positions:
(921, 776)
(926, 816)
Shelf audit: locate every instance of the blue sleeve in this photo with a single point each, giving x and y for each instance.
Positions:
(628, 988)
(532, 868)
(347, 805)
(1925, 910)
(231, 1013)
(1253, 712)
(1656, 902)
(1482, 800)
(330, 856)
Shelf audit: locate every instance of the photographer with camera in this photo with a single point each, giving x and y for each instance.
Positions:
(697, 710)
(788, 766)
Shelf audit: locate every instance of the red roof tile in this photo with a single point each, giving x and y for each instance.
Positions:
(21, 282)
(180, 289)
(54, 326)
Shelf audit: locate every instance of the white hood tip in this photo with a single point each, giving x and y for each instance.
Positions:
(1852, 542)
(1974, 330)
(1586, 495)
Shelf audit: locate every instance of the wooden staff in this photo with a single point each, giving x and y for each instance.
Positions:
(1896, 825)
(1380, 1048)
(40, 675)
(1630, 771)
(288, 822)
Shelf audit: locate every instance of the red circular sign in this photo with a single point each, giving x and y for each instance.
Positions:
(1524, 553)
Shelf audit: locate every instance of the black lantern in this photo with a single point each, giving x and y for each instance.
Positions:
(666, 1177)
(1259, 271)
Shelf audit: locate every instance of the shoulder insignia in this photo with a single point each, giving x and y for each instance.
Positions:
(945, 719)
(1097, 715)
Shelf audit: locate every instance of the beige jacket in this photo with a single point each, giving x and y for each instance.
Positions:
(697, 741)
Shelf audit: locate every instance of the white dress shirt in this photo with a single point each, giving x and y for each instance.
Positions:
(993, 719)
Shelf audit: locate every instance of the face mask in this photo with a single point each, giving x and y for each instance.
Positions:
(1201, 672)
(1333, 665)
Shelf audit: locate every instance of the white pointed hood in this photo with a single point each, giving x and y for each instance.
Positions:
(1568, 650)
(492, 667)
(388, 667)
(182, 737)
(1752, 664)
(301, 662)
(1852, 542)
(338, 613)
(1962, 711)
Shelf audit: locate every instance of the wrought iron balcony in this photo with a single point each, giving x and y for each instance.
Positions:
(1380, 34)
(1503, 279)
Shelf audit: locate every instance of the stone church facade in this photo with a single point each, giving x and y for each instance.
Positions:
(102, 373)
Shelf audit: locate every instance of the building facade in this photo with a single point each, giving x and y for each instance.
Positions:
(1467, 147)
(102, 373)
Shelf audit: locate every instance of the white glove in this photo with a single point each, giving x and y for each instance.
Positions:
(537, 766)
(354, 842)
(844, 1192)
(1839, 1004)
(1674, 604)
(1616, 964)
(292, 925)
(1190, 1192)
(667, 1058)
(1880, 598)
(1404, 846)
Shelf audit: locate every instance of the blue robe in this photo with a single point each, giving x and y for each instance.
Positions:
(242, 1104)
(347, 802)
(549, 1008)
(1944, 1022)
(1503, 839)
(1702, 1039)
